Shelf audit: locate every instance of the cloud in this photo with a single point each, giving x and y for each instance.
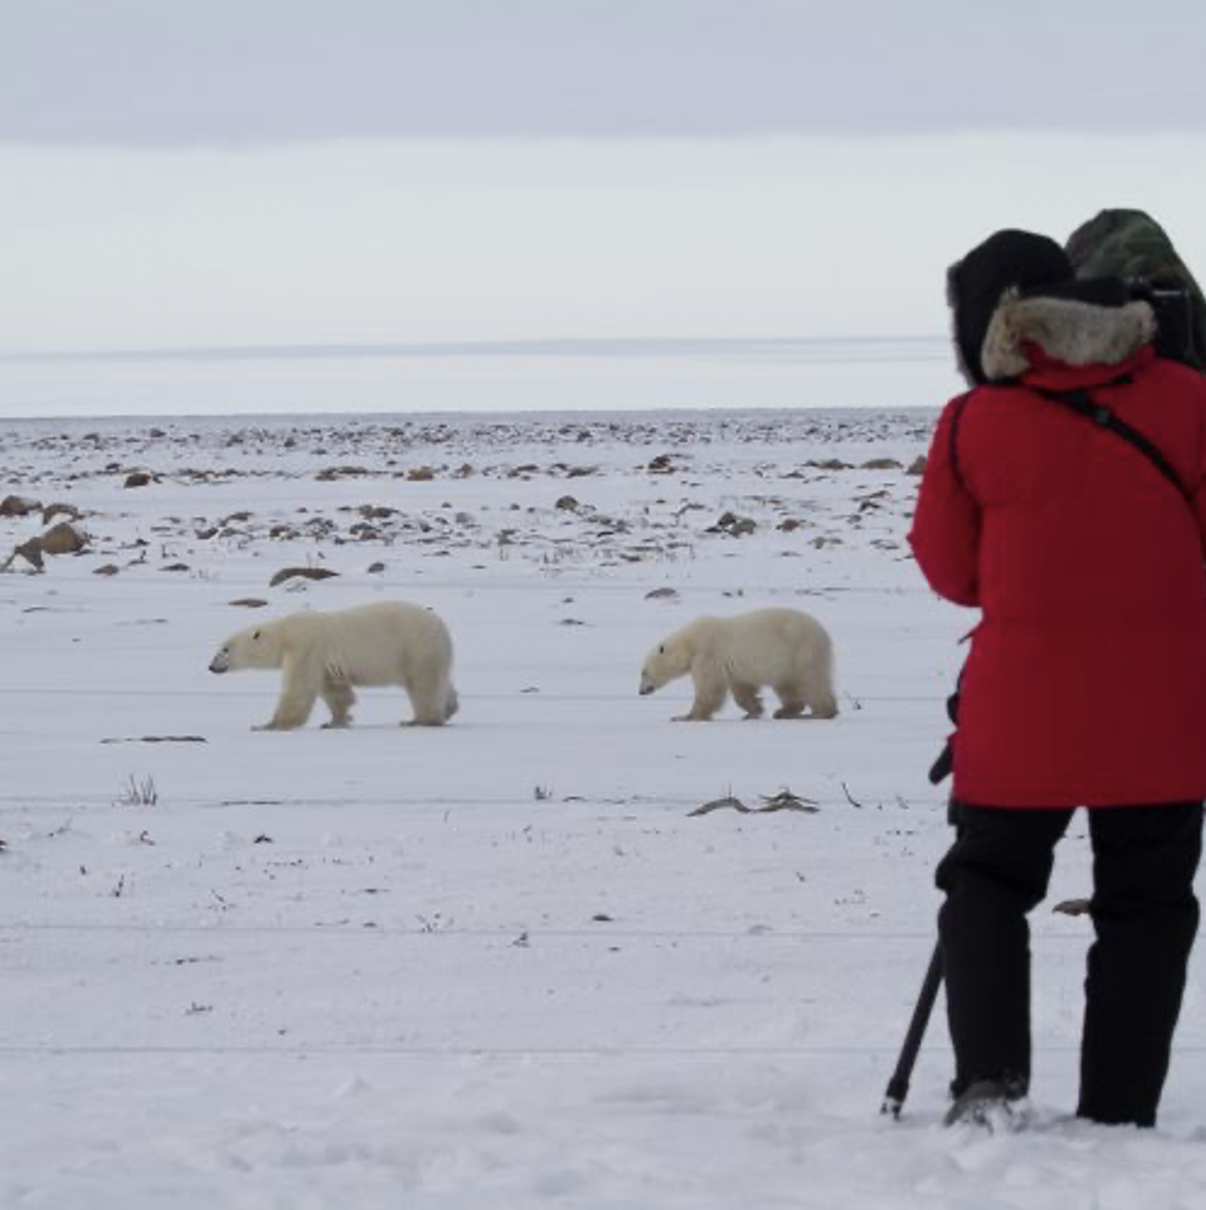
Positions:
(232, 72)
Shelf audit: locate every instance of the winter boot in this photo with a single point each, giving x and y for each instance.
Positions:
(993, 1104)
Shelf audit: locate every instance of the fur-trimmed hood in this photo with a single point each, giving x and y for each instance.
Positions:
(1071, 331)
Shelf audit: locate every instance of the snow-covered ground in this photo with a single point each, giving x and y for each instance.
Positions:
(498, 964)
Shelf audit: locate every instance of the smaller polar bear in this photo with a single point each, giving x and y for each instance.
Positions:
(783, 648)
(326, 654)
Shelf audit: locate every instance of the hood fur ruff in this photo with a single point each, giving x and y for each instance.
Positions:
(1075, 333)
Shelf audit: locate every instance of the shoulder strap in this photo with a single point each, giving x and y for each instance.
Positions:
(1083, 404)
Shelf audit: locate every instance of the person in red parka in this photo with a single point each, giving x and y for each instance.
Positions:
(1085, 685)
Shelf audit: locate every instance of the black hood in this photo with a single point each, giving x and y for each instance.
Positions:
(974, 286)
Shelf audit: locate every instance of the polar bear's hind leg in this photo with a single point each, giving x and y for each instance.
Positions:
(819, 694)
(791, 701)
(429, 693)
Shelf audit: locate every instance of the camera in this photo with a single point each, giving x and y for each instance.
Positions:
(1177, 335)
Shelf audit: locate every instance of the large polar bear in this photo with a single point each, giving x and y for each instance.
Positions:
(783, 648)
(326, 654)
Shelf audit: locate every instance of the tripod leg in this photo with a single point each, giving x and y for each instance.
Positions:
(898, 1085)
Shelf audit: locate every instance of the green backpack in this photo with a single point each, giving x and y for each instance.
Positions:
(1131, 245)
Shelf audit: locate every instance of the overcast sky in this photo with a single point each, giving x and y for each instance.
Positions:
(168, 72)
(199, 172)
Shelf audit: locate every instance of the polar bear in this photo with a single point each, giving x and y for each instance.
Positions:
(326, 654)
(784, 648)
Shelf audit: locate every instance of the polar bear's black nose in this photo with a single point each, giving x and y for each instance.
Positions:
(219, 664)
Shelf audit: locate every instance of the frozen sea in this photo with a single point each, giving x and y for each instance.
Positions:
(551, 375)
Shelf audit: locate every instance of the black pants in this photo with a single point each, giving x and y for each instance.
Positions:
(1145, 917)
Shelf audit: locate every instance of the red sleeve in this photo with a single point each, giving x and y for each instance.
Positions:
(1199, 488)
(946, 526)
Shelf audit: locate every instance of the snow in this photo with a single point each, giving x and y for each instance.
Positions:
(498, 963)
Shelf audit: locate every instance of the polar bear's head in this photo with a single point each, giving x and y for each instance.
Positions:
(668, 661)
(255, 647)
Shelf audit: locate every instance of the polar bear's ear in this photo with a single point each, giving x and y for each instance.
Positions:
(661, 649)
(256, 635)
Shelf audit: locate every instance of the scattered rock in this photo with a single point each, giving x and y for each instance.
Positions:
(108, 569)
(420, 474)
(662, 464)
(881, 464)
(249, 603)
(375, 569)
(159, 739)
(917, 466)
(330, 473)
(662, 594)
(789, 525)
(18, 506)
(733, 525)
(138, 479)
(175, 567)
(62, 539)
(567, 504)
(301, 573)
(30, 551)
(60, 510)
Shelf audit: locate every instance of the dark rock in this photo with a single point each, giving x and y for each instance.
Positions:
(62, 539)
(17, 506)
(301, 573)
(60, 510)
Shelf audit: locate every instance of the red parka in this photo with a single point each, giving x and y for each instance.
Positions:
(1085, 684)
